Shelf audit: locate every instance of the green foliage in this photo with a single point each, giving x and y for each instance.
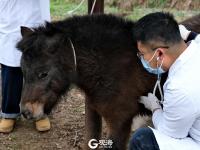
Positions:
(157, 3)
(179, 15)
(60, 8)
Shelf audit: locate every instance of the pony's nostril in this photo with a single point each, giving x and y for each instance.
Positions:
(27, 114)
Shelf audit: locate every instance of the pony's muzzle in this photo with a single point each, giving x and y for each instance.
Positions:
(32, 110)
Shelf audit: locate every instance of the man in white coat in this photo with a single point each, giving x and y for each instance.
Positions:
(13, 14)
(161, 49)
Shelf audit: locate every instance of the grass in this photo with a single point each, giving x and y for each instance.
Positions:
(179, 15)
(60, 8)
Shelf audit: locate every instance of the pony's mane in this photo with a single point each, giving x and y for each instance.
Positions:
(98, 27)
(76, 22)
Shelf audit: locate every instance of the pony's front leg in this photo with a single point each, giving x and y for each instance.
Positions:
(119, 132)
(93, 124)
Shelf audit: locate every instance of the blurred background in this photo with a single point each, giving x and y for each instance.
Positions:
(133, 9)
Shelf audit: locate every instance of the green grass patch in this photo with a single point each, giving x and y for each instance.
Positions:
(60, 8)
(179, 15)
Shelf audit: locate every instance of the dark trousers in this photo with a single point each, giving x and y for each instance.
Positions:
(12, 82)
(143, 139)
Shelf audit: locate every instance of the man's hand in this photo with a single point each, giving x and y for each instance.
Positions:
(150, 102)
(184, 32)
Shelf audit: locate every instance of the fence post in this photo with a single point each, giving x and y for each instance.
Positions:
(98, 8)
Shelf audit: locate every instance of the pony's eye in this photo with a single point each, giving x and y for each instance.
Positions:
(42, 75)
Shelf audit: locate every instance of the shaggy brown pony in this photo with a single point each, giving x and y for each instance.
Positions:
(108, 71)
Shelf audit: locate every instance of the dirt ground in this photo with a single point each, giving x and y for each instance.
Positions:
(67, 131)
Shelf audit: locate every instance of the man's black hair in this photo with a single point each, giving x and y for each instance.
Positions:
(157, 27)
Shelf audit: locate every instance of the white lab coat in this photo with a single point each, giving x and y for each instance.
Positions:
(177, 126)
(16, 13)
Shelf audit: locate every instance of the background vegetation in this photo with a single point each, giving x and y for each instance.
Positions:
(133, 9)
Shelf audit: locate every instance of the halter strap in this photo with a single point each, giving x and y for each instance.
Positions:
(74, 55)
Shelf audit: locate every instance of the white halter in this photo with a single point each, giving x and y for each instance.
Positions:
(74, 55)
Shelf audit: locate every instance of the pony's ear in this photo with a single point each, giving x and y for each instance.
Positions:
(26, 31)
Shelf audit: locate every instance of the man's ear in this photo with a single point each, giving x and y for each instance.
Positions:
(26, 31)
(161, 51)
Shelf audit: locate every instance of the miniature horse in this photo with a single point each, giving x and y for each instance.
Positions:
(98, 54)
